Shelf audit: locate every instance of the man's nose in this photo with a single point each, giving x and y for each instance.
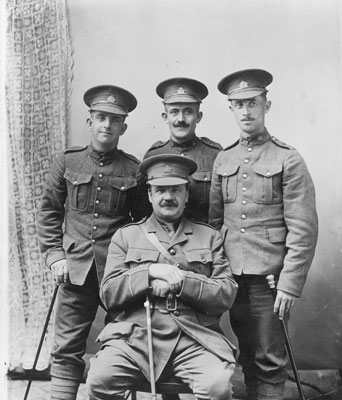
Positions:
(180, 116)
(168, 195)
(106, 122)
(245, 109)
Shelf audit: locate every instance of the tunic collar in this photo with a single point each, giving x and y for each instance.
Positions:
(104, 156)
(257, 139)
(186, 145)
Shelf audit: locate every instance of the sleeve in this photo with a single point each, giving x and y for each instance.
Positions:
(216, 204)
(302, 223)
(51, 213)
(214, 294)
(122, 285)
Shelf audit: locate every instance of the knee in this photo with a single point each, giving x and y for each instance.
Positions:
(219, 386)
(98, 382)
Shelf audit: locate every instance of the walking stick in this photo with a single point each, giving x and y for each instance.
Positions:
(41, 341)
(271, 283)
(150, 347)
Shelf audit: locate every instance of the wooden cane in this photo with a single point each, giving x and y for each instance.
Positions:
(272, 284)
(150, 347)
(41, 342)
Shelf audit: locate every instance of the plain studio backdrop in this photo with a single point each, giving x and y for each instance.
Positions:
(136, 44)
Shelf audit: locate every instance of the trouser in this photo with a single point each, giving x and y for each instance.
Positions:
(261, 341)
(112, 371)
(75, 313)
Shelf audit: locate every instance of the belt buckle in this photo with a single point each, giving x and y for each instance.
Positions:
(171, 303)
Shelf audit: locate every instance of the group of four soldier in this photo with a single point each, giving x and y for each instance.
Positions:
(114, 230)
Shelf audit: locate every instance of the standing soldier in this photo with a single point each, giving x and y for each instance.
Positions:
(263, 200)
(182, 98)
(89, 194)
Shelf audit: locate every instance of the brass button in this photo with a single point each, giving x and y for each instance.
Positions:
(172, 252)
(94, 228)
(99, 189)
(93, 241)
(96, 215)
(249, 149)
(242, 230)
(100, 175)
(75, 182)
(243, 216)
(97, 201)
(138, 258)
(246, 161)
(244, 202)
(244, 176)
(101, 164)
(268, 174)
(204, 260)
(176, 313)
(122, 187)
(244, 189)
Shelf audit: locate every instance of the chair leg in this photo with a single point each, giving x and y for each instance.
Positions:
(133, 395)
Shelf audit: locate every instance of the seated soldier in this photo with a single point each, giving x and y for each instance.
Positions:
(189, 283)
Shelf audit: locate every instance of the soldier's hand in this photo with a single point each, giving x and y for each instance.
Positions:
(283, 303)
(59, 271)
(160, 288)
(169, 273)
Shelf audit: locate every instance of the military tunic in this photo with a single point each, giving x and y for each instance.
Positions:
(263, 198)
(93, 194)
(203, 151)
(208, 290)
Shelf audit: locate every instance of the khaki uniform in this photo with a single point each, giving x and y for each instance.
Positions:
(208, 290)
(263, 199)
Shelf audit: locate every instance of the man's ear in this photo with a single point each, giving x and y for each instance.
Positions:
(199, 116)
(89, 123)
(149, 194)
(164, 116)
(230, 107)
(123, 129)
(268, 106)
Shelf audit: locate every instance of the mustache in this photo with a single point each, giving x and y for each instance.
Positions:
(168, 203)
(181, 125)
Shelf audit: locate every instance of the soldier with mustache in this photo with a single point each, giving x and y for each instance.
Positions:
(182, 98)
(263, 200)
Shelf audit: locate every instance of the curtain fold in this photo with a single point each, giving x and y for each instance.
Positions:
(38, 87)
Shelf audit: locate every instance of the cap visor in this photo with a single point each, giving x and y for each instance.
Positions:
(245, 94)
(167, 181)
(108, 109)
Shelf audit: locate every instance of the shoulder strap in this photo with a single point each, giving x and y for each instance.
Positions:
(152, 238)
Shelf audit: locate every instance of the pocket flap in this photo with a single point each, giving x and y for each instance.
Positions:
(122, 183)
(68, 241)
(204, 176)
(277, 235)
(267, 170)
(202, 256)
(77, 178)
(141, 255)
(228, 170)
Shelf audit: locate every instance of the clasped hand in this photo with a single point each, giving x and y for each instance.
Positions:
(165, 278)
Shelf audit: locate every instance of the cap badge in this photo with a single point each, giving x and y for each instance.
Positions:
(180, 90)
(168, 169)
(243, 84)
(111, 99)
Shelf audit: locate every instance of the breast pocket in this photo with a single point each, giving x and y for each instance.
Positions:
(199, 261)
(118, 194)
(200, 187)
(267, 185)
(79, 186)
(136, 256)
(229, 179)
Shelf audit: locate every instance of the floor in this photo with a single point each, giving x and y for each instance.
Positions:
(328, 382)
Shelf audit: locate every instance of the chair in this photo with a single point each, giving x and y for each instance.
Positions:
(169, 388)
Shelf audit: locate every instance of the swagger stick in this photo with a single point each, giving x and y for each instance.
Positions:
(41, 341)
(150, 347)
(271, 283)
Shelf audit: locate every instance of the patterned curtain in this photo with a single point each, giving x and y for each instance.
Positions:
(38, 86)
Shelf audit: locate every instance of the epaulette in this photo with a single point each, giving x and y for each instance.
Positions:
(157, 145)
(129, 156)
(210, 143)
(74, 149)
(279, 143)
(135, 223)
(232, 145)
